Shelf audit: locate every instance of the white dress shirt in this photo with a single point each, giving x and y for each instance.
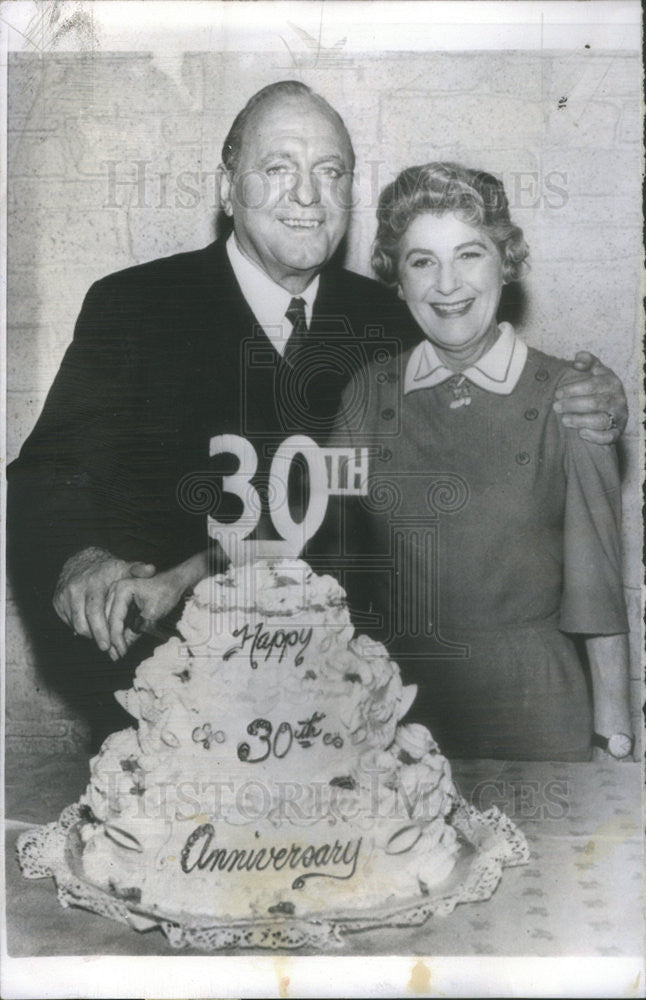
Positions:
(498, 370)
(267, 300)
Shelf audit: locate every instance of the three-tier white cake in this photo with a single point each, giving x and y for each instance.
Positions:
(271, 794)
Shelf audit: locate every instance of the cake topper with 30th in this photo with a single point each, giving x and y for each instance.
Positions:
(332, 472)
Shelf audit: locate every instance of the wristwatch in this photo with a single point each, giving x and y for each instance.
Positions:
(619, 745)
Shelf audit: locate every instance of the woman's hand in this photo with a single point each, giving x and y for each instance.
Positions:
(608, 656)
(596, 405)
(81, 595)
(154, 598)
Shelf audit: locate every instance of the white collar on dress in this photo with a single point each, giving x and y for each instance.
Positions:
(267, 300)
(496, 371)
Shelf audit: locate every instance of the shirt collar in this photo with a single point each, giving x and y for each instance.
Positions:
(498, 370)
(267, 300)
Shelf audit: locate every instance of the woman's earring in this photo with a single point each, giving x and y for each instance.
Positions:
(400, 294)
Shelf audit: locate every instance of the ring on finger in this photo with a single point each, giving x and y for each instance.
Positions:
(611, 425)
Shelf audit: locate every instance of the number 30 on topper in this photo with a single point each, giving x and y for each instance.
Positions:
(331, 471)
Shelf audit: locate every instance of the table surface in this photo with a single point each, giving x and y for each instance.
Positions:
(580, 895)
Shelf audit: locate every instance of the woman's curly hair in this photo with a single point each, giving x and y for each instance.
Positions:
(477, 197)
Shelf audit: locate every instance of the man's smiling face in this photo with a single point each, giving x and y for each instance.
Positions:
(290, 192)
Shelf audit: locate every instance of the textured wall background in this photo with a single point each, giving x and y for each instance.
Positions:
(111, 161)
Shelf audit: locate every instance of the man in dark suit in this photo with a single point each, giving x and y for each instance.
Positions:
(254, 336)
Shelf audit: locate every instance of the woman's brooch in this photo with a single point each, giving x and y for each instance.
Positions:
(459, 386)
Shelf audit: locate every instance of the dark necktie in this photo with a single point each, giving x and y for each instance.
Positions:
(296, 315)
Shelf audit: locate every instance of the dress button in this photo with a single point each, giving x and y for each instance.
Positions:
(522, 458)
(387, 414)
(386, 455)
(382, 356)
(382, 377)
(531, 414)
(542, 375)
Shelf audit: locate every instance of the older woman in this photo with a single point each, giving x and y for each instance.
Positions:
(493, 530)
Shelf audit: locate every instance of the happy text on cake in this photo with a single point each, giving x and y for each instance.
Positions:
(274, 642)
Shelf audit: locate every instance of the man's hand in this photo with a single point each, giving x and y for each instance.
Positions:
(154, 598)
(596, 405)
(81, 595)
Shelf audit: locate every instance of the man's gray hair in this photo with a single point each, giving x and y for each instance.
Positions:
(284, 88)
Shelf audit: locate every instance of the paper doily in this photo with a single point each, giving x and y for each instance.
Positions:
(491, 843)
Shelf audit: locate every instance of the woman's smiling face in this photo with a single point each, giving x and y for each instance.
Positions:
(450, 275)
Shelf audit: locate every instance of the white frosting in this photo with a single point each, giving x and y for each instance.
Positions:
(268, 729)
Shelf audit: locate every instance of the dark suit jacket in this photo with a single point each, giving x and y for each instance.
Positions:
(165, 355)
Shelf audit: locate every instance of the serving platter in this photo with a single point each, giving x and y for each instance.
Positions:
(489, 842)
